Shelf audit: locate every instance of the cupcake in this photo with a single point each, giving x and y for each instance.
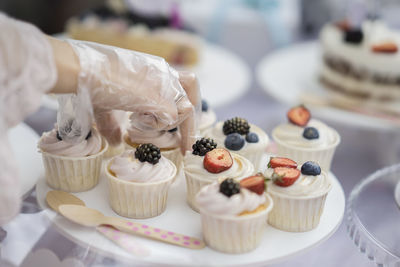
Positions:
(303, 139)
(207, 117)
(72, 167)
(138, 182)
(239, 136)
(167, 141)
(299, 195)
(206, 163)
(233, 217)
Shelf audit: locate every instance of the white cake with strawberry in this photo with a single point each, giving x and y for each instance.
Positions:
(299, 195)
(207, 163)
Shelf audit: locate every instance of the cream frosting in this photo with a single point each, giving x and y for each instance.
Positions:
(209, 199)
(49, 143)
(161, 139)
(218, 135)
(292, 135)
(128, 168)
(207, 119)
(240, 168)
(305, 185)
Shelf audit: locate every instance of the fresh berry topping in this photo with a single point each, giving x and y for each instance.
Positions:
(88, 135)
(204, 106)
(252, 137)
(202, 146)
(236, 125)
(58, 136)
(287, 176)
(217, 160)
(353, 36)
(310, 133)
(299, 115)
(229, 187)
(234, 141)
(344, 25)
(148, 152)
(254, 183)
(173, 130)
(387, 47)
(310, 168)
(275, 162)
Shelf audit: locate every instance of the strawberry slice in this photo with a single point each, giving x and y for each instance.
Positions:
(387, 47)
(343, 25)
(299, 115)
(217, 160)
(254, 183)
(287, 176)
(281, 162)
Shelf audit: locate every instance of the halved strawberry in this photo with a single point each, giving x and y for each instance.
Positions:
(344, 25)
(287, 176)
(217, 160)
(281, 162)
(254, 183)
(299, 115)
(386, 47)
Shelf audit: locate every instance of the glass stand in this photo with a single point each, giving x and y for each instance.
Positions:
(373, 216)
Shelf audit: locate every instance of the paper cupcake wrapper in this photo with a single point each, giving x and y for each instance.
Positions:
(296, 214)
(114, 151)
(323, 157)
(193, 186)
(73, 174)
(138, 200)
(234, 235)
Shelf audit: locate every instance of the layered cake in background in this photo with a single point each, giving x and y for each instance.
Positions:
(115, 24)
(206, 164)
(303, 138)
(361, 63)
(72, 167)
(207, 117)
(298, 195)
(241, 137)
(234, 216)
(138, 182)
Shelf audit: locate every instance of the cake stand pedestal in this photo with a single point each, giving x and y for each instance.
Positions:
(373, 216)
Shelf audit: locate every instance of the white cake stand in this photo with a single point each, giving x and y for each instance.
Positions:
(276, 245)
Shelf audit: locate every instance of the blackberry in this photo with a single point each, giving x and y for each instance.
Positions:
(229, 187)
(354, 36)
(204, 145)
(236, 125)
(148, 152)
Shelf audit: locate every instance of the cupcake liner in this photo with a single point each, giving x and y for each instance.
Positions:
(193, 186)
(323, 156)
(296, 214)
(114, 150)
(138, 200)
(238, 234)
(73, 174)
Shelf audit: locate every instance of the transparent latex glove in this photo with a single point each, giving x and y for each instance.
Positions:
(120, 79)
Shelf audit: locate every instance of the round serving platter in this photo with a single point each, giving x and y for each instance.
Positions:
(276, 245)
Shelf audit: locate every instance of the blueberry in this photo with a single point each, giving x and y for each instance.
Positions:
(204, 106)
(58, 136)
(353, 36)
(310, 168)
(173, 130)
(310, 133)
(234, 141)
(252, 137)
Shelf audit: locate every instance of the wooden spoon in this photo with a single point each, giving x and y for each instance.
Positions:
(91, 218)
(56, 198)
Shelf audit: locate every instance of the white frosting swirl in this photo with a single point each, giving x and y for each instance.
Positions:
(128, 168)
(207, 119)
(219, 137)
(49, 143)
(291, 134)
(211, 200)
(161, 139)
(240, 168)
(305, 185)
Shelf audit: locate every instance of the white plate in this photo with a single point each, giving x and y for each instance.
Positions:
(276, 245)
(289, 72)
(23, 142)
(223, 77)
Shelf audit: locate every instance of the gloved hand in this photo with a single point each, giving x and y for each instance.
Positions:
(120, 79)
